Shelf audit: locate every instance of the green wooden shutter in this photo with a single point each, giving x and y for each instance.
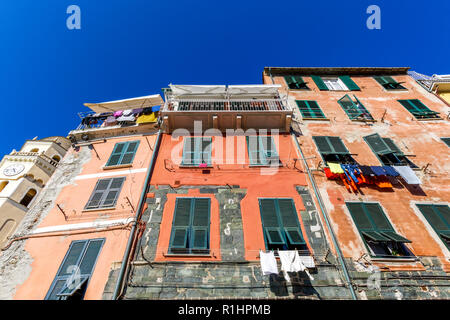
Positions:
(290, 221)
(351, 85)
(253, 149)
(389, 83)
(372, 222)
(310, 109)
(98, 194)
(116, 155)
(129, 152)
(295, 82)
(82, 254)
(181, 224)
(337, 145)
(323, 145)
(112, 193)
(319, 83)
(269, 148)
(206, 150)
(446, 141)
(189, 148)
(72, 257)
(377, 144)
(200, 224)
(418, 109)
(90, 256)
(349, 107)
(271, 225)
(438, 216)
(393, 146)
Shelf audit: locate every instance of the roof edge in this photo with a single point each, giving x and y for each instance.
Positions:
(362, 71)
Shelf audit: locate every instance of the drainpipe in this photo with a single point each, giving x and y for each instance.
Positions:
(325, 216)
(136, 220)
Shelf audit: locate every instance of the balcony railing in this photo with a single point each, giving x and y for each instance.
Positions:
(225, 105)
(42, 156)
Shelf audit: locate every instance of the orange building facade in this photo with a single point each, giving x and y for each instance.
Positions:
(67, 246)
(418, 212)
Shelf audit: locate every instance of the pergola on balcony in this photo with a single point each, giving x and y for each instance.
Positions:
(225, 107)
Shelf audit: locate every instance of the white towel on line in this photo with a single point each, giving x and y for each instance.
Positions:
(407, 174)
(291, 262)
(268, 263)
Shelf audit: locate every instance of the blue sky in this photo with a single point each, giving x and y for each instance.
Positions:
(135, 47)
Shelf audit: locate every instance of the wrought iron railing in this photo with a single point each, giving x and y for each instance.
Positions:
(226, 105)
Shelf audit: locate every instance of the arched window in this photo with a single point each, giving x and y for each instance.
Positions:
(56, 158)
(39, 181)
(28, 197)
(3, 185)
(6, 229)
(34, 150)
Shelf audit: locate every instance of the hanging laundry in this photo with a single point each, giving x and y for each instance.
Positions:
(268, 263)
(378, 171)
(382, 182)
(118, 113)
(110, 121)
(366, 170)
(137, 111)
(156, 108)
(407, 174)
(329, 174)
(147, 110)
(335, 167)
(291, 262)
(390, 171)
(146, 118)
(127, 115)
(350, 170)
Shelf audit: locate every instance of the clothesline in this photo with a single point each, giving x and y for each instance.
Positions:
(353, 175)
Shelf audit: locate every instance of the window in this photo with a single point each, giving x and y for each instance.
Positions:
(196, 151)
(34, 150)
(438, 216)
(296, 82)
(56, 158)
(332, 149)
(105, 193)
(123, 153)
(71, 280)
(190, 227)
(280, 224)
(389, 83)
(386, 151)
(418, 109)
(310, 109)
(335, 83)
(355, 109)
(262, 151)
(28, 197)
(375, 229)
(3, 185)
(446, 141)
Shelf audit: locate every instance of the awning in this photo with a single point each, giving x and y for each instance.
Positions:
(254, 89)
(197, 89)
(132, 103)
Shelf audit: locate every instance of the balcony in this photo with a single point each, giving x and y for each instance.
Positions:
(221, 107)
(108, 119)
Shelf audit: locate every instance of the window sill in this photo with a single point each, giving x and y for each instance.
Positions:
(316, 119)
(394, 259)
(430, 119)
(188, 255)
(186, 166)
(265, 165)
(117, 166)
(98, 209)
(365, 120)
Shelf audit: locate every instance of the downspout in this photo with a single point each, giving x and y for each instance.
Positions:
(324, 213)
(325, 216)
(136, 220)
